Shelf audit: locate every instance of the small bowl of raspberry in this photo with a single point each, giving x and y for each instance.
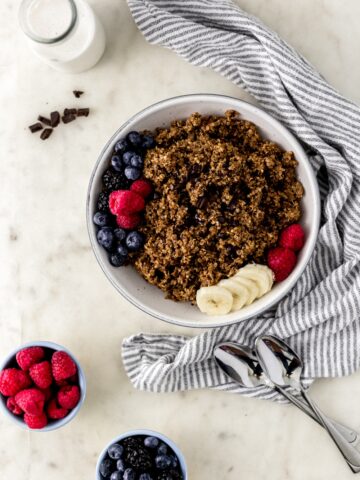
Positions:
(42, 386)
(141, 455)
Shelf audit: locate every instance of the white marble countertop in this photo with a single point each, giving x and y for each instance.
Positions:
(53, 289)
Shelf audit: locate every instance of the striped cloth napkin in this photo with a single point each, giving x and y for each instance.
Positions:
(320, 316)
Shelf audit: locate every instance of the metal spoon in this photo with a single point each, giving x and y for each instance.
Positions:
(241, 364)
(283, 366)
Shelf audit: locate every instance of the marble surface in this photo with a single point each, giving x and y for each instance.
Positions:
(53, 289)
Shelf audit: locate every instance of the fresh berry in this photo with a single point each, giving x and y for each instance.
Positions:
(132, 173)
(163, 462)
(121, 146)
(170, 475)
(120, 465)
(120, 234)
(126, 158)
(142, 187)
(117, 260)
(103, 202)
(292, 237)
(129, 474)
(28, 356)
(31, 401)
(128, 222)
(121, 250)
(282, 262)
(68, 396)
(151, 442)
(13, 406)
(117, 163)
(163, 449)
(106, 467)
(148, 142)
(36, 421)
(105, 237)
(125, 201)
(145, 476)
(137, 457)
(174, 461)
(54, 411)
(134, 241)
(114, 180)
(115, 451)
(116, 475)
(12, 381)
(101, 219)
(41, 374)
(134, 138)
(63, 366)
(136, 161)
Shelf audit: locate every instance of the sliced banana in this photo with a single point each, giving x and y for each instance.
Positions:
(214, 300)
(239, 293)
(253, 290)
(260, 274)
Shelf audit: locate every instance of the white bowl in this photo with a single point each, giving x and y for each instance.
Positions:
(149, 298)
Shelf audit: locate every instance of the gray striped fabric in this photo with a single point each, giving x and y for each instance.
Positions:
(320, 317)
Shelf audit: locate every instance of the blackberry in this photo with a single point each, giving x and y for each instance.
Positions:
(171, 475)
(132, 442)
(115, 180)
(138, 458)
(103, 202)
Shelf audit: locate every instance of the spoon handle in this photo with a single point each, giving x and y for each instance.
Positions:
(350, 435)
(349, 452)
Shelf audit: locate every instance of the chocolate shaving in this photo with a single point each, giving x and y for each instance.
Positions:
(70, 111)
(68, 118)
(83, 112)
(35, 127)
(55, 118)
(46, 133)
(77, 93)
(44, 120)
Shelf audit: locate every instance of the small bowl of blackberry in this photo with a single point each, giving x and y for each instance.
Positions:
(141, 455)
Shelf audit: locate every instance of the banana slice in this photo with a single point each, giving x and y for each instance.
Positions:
(250, 285)
(239, 293)
(214, 300)
(260, 274)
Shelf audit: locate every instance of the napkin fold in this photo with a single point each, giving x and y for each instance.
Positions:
(320, 316)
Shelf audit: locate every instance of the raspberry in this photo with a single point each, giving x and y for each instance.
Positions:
(41, 374)
(125, 201)
(68, 397)
(13, 407)
(63, 366)
(142, 187)
(12, 381)
(35, 421)
(31, 401)
(282, 262)
(292, 237)
(128, 222)
(28, 356)
(54, 411)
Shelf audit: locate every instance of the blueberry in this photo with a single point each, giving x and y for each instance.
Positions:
(117, 163)
(105, 237)
(117, 260)
(101, 219)
(151, 442)
(148, 142)
(121, 146)
(174, 461)
(120, 234)
(136, 161)
(134, 138)
(116, 475)
(115, 451)
(132, 173)
(105, 467)
(120, 465)
(162, 450)
(145, 476)
(134, 241)
(127, 157)
(123, 251)
(129, 474)
(163, 462)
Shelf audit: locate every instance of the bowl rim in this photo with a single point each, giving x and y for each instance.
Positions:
(311, 240)
(147, 433)
(55, 424)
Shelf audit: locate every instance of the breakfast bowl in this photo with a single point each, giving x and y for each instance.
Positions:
(34, 366)
(121, 458)
(149, 298)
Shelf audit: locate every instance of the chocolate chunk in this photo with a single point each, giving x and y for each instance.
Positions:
(55, 118)
(35, 127)
(44, 120)
(46, 133)
(202, 202)
(70, 111)
(83, 112)
(68, 118)
(221, 219)
(77, 93)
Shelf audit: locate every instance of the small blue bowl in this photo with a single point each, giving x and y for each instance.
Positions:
(147, 433)
(10, 361)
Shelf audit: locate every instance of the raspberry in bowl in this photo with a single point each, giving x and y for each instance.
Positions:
(141, 455)
(42, 386)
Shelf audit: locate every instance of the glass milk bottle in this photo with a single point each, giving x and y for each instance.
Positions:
(66, 34)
